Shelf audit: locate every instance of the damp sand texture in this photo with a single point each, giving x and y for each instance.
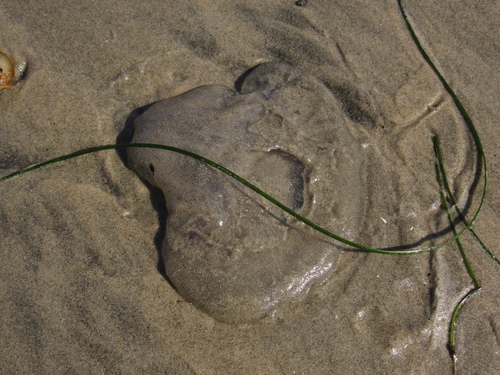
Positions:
(80, 241)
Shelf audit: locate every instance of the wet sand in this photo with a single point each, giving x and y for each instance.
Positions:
(82, 284)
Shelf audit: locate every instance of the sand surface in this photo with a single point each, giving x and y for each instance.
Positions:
(81, 287)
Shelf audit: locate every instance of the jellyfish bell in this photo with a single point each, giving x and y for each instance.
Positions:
(227, 250)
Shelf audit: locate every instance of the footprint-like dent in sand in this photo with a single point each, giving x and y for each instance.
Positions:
(227, 250)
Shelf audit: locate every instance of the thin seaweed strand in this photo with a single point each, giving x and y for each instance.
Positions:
(240, 179)
(465, 116)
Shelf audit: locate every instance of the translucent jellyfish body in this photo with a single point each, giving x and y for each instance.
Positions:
(231, 253)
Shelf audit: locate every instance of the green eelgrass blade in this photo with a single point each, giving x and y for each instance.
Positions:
(451, 336)
(443, 185)
(441, 179)
(470, 125)
(453, 202)
(243, 181)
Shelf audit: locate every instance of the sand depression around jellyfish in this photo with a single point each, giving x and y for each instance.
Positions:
(227, 250)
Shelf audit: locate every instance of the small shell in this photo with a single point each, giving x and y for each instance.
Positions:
(6, 71)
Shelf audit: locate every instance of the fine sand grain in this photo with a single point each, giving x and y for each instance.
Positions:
(82, 285)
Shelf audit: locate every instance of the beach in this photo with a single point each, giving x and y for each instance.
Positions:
(83, 288)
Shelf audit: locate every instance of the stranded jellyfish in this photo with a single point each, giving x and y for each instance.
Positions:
(227, 250)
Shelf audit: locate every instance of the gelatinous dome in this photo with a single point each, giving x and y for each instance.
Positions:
(227, 250)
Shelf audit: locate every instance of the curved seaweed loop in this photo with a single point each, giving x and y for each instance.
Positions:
(446, 193)
(464, 115)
